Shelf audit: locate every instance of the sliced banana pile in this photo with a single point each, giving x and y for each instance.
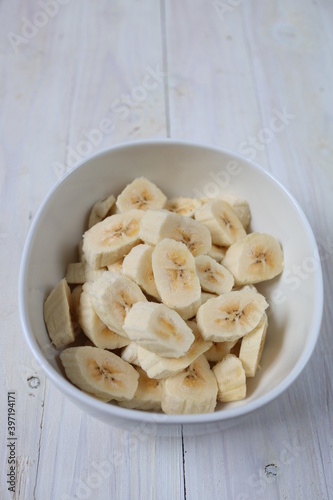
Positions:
(163, 314)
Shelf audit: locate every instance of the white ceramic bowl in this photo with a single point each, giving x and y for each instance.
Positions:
(179, 169)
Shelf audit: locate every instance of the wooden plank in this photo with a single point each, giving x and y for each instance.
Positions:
(89, 62)
(233, 81)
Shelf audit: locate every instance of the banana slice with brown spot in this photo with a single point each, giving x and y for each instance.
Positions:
(192, 391)
(221, 220)
(141, 194)
(100, 372)
(257, 257)
(159, 367)
(93, 326)
(231, 315)
(175, 277)
(156, 225)
(183, 206)
(158, 329)
(214, 277)
(108, 241)
(240, 207)
(112, 297)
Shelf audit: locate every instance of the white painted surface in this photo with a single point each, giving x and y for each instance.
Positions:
(229, 72)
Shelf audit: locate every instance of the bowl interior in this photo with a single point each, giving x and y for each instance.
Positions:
(181, 169)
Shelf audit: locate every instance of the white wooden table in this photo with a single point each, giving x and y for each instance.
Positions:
(253, 76)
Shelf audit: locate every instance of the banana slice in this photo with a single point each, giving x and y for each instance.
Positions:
(252, 346)
(231, 379)
(240, 207)
(183, 206)
(159, 329)
(231, 315)
(130, 353)
(57, 315)
(100, 372)
(194, 390)
(156, 225)
(80, 272)
(94, 328)
(116, 267)
(158, 367)
(175, 277)
(217, 253)
(109, 240)
(141, 194)
(101, 210)
(112, 296)
(255, 258)
(219, 350)
(148, 395)
(214, 277)
(206, 296)
(221, 220)
(137, 265)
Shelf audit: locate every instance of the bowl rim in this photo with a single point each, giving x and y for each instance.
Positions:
(114, 411)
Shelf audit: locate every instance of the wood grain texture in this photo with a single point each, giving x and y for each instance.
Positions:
(232, 69)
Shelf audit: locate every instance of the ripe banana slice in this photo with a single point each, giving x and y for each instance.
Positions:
(219, 350)
(57, 315)
(206, 296)
(94, 328)
(240, 207)
(130, 353)
(80, 272)
(252, 346)
(222, 222)
(159, 329)
(231, 379)
(231, 315)
(159, 367)
(214, 277)
(101, 210)
(183, 206)
(137, 265)
(148, 395)
(217, 252)
(141, 194)
(117, 267)
(175, 277)
(255, 258)
(156, 225)
(194, 390)
(112, 296)
(100, 372)
(109, 240)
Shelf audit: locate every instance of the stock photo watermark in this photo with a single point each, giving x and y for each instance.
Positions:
(120, 108)
(11, 441)
(277, 124)
(30, 27)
